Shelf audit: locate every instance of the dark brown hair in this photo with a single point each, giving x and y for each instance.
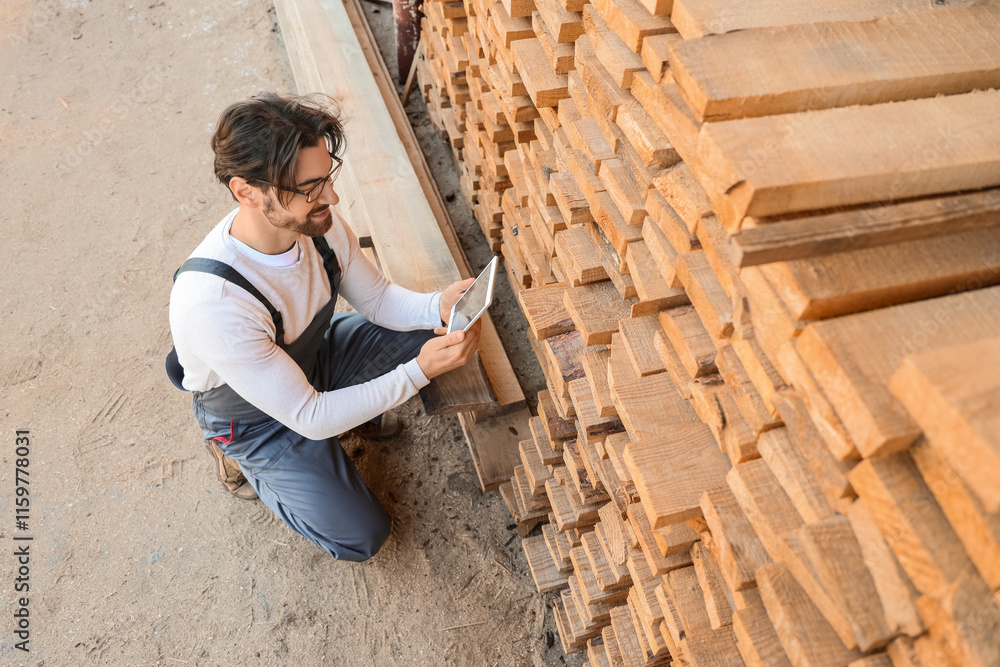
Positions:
(259, 139)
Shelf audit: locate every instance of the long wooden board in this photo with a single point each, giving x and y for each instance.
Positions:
(954, 394)
(869, 278)
(817, 236)
(494, 358)
(839, 64)
(838, 157)
(697, 18)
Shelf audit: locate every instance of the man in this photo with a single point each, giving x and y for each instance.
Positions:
(276, 375)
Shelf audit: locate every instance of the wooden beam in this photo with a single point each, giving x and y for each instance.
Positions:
(953, 392)
(697, 18)
(817, 236)
(856, 155)
(494, 357)
(838, 64)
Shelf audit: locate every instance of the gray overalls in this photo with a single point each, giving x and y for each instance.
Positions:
(311, 484)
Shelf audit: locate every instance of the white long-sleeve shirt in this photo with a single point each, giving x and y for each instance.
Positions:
(224, 335)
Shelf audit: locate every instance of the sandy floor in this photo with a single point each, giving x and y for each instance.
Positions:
(138, 555)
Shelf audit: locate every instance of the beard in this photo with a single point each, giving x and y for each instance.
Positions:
(310, 225)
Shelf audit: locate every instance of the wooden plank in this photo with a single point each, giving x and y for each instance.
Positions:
(807, 638)
(544, 308)
(687, 197)
(637, 335)
(837, 558)
(565, 26)
(715, 647)
(675, 539)
(978, 530)
(669, 223)
(561, 56)
(693, 344)
(464, 389)
(687, 597)
(839, 64)
(713, 587)
(697, 18)
(632, 21)
(870, 227)
(966, 615)
(657, 563)
(758, 642)
(870, 278)
(738, 548)
(620, 61)
(595, 365)
(627, 194)
(896, 592)
(853, 358)
(564, 353)
(645, 137)
(760, 369)
(654, 291)
(825, 419)
(556, 427)
(953, 395)
(612, 532)
(791, 469)
(626, 636)
(569, 199)
(494, 358)
(543, 568)
(596, 310)
(535, 470)
(707, 296)
(544, 86)
(829, 473)
(662, 251)
(493, 445)
(655, 53)
(672, 471)
(813, 162)
(590, 424)
(911, 520)
(580, 256)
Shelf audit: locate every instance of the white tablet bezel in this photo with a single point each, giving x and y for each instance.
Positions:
(491, 270)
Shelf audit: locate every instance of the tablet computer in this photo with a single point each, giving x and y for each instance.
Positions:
(474, 302)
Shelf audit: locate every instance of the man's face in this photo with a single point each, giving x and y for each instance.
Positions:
(311, 219)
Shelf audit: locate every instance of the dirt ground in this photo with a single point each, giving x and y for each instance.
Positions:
(138, 556)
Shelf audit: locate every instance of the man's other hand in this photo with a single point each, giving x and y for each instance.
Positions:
(451, 295)
(447, 352)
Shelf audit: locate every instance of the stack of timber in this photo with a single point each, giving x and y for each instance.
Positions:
(757, 246)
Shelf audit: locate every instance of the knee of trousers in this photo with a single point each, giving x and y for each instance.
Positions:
(365, 540)
(376, 536)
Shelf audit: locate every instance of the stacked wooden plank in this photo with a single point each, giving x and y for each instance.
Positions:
(757, 248)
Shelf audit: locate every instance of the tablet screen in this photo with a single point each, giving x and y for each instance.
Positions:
(475, 301)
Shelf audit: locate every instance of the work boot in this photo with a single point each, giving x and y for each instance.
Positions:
(230, 475)
(389, 426)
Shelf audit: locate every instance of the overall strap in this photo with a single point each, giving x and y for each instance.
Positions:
(226, 272)
(330, 263)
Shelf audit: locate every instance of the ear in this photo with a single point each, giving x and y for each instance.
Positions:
(245, 194)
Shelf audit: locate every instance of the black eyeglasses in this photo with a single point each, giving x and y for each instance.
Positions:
(314, 191)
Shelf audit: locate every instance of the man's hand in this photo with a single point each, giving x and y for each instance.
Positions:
(447, 352)
(451, 295)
